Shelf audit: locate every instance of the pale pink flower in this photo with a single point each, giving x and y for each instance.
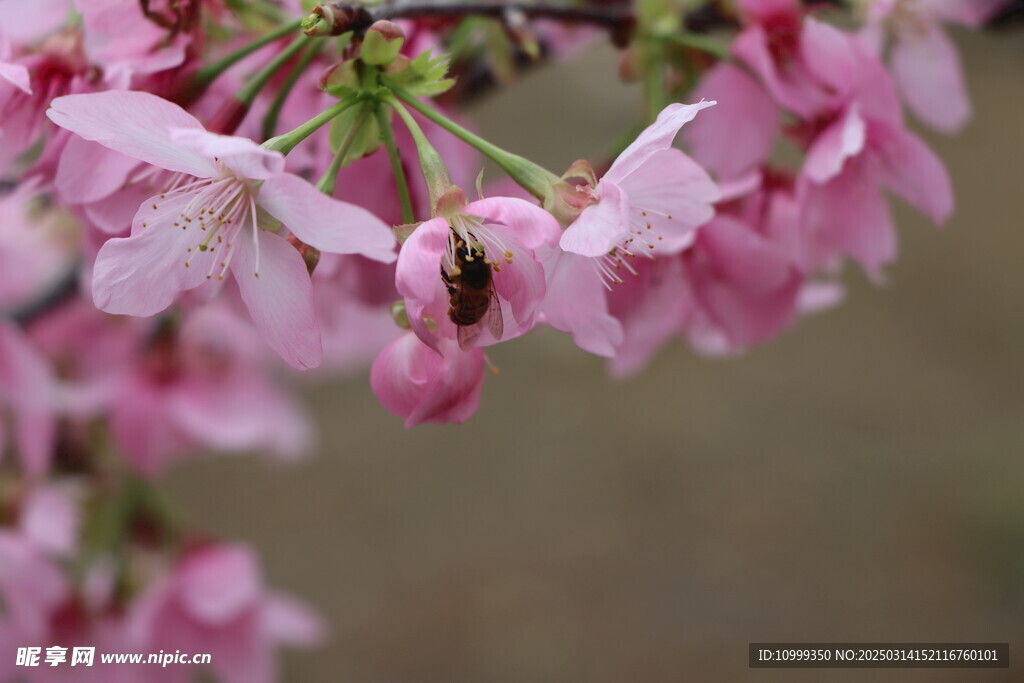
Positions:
(577, 302)
(924, 60)
(653, 198)
(200, 229)
(859, 146)
(125, 44)
(774, 46)
(57, 68)
(509, 231)
(215, 601)
(649, 204)
(424, 384)
(852, 127)
(201, 389)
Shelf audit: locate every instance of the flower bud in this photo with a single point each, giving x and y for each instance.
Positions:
(382, 43)
(339, 78)
(335, 18)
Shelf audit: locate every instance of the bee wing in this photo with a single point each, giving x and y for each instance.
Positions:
(468, 334)
(494, 321)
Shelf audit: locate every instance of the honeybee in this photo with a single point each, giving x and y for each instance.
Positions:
(472, 301)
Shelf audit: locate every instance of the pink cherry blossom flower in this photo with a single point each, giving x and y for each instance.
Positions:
(859, 146)
(423, 384)
(215, 601)
(125, 44)
(201, 389)
(198, 230)
(56, 68)
(649, 203)
(507, 232)
(652, 198)
(774, 46)
(852, 127)
(924, 60)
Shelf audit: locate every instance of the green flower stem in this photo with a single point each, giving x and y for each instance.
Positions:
(435, 173)
(253, 86)
(531, 177)
(210, 72)
(270, 120)
(286, 142)
(330, 176)
(401, 182)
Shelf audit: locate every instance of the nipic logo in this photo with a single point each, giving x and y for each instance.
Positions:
(55, 655)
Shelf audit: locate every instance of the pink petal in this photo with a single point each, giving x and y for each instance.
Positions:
(532, 225)
(136, 124)
(744, 256)
(50, 519)
(279, 295)
(114, 214)
(851, 213)
(576, 303)
(419, 262)
(739, 134)
(842, 140)
(142, 274)
(656, 137)
(521, 284)
(600, 227)
(288, 621)
(423, 385)
(243, 157)
(829, 55)
(794, 91)
(674, 195)
(88, 172)
(17, 75)
(238, 411)
(912, 170)
(927, 69)
(651, 309)
(325, 223)
(220, 583)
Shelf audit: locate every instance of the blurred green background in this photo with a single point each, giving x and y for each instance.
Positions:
(860, 479)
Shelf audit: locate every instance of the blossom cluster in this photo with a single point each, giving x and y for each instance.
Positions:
(200, 197)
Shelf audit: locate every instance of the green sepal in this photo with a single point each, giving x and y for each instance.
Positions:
(423, 76)
(366, 141)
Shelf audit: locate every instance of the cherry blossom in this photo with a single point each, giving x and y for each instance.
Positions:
(199, 229)
(424, 384)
